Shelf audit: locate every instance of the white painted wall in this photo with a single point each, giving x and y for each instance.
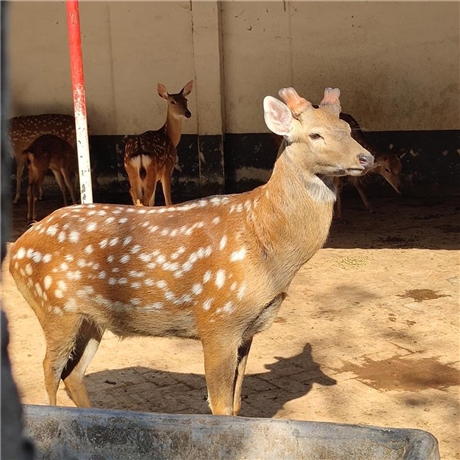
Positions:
(397, 64)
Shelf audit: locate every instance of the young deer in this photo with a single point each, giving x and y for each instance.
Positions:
(215, 269)
(151, 156)
(49, 152)
(23, 130)
(386, 165)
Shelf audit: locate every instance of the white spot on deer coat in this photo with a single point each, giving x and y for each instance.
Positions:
(46, 258)
(125, 259)
(197, 288)
(207, 304)
(89, 249)
(61, 236)
(21, 253)
(220, 278)
(223, 242)
(238, 255)
(52, 230)
(29, 269)
(37, 257)
(74, 236)
(47, 281)
(71, 305)
(91, 227)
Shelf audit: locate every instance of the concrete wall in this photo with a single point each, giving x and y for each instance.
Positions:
(396, 63)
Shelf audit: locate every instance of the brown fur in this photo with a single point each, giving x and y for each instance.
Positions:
(150, 157)
(49, 152)
(216, 269)
(23, 130)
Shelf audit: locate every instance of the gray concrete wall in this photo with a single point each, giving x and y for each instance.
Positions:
(397, 64)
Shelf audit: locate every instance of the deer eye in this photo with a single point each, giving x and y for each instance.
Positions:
(173, 102)
(315, 136)
(388, 170)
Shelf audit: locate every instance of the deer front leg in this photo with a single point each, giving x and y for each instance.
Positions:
(220, 362)
(363, 196)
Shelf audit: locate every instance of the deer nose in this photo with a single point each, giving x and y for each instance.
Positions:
(366, 160)
(188, 114)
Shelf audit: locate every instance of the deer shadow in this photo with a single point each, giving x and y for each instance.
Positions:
(148, 390)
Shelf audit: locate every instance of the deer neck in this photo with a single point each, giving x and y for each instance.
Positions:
(173, 128)
(293, 213)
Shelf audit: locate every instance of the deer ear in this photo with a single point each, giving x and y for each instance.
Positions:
(162, 91)
(278, 117)
(185, 91)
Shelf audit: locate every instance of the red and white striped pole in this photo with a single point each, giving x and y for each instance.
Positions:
(79, 100)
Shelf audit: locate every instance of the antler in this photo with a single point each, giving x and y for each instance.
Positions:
(331, 99)
(295, 103)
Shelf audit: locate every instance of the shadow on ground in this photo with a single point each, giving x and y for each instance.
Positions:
(150, 390)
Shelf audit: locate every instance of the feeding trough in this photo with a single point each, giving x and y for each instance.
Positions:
(94, 434)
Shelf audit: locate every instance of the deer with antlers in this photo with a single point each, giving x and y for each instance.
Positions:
(215, 269)
(150, 157)
(24, 129)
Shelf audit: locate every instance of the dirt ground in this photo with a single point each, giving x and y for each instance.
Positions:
(368, 335)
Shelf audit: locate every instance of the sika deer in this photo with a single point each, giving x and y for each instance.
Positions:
(386, 165)
(151, 156)
(215, 269)
(23, 130)
(49, 152)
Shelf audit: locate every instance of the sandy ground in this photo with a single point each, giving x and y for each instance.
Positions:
(368, 335)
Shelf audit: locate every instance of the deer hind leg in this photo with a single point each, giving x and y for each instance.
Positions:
(243, 353)
(149, 182)
(220, 360)
(88, 339)
(61, 338)
(60, 181)
(19, 173)
(70, 184)
(33, 190)
(166, 185)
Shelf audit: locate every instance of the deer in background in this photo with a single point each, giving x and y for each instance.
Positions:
(49, 152)
(215, 269)
(150, 157)
(386, 165)
(24, 129)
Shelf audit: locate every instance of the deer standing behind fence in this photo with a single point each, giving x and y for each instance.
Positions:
(150, 157)
(24, 129)
(50, 152)
(215, 269)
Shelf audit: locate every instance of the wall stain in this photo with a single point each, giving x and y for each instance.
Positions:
(401, 374)
(419, 295)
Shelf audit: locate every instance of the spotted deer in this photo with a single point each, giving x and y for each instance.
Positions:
(24, 129)
(385, 164)
(215, 269)
(150, 157)
(50, 152)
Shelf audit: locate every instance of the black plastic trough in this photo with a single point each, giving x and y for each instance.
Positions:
(92, 434)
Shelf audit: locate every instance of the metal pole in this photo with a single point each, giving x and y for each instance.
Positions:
(79, 100)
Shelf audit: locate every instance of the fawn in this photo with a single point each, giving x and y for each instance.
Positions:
(49, 152)
(386, 165)
(215, 269)
(150, 157)
(24, 129)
